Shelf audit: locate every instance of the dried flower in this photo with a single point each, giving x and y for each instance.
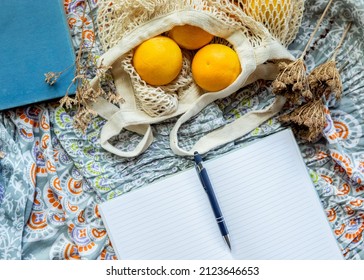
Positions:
(83, 118)
(325, 80)
(292, 81)
(85, 94)
(2, 155)
(88, 94)
(114, 98)
(102, 71)
(52, 77)
(307, 120)
(68, 102)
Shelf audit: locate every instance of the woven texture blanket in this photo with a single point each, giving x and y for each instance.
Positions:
(53, 176)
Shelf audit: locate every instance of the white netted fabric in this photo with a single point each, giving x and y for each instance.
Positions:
(259, 40)
(117, 18)
(282, 18)
(161, 100)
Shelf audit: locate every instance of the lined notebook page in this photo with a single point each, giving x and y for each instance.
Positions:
(269, 202)
(270, 206)
(167, 220)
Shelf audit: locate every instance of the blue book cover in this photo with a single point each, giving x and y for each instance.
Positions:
(34, 40)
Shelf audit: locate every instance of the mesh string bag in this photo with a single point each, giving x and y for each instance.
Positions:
(161, 100)
(281, 18)
(259, 37)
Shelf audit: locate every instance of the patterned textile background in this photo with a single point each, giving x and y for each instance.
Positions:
(53, 176)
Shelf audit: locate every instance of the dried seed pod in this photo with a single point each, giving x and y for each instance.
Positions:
(308, 120)
(292, 81)
(325, 80)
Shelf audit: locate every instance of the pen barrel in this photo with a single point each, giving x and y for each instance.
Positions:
(214, 203)
(222, 226)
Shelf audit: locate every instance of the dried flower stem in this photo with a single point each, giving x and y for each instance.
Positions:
(308, 120)
(325, 79)
(333, 58)
(292, 81)
(316, 29)
(85, 94)
(52, 77)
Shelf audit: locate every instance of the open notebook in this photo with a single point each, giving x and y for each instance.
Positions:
(267, 198)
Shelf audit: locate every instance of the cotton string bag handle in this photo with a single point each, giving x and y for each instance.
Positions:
(257, 49)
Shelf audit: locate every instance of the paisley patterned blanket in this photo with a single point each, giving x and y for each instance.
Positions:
(53, 176)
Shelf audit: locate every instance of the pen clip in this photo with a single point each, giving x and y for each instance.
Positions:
(199, 167)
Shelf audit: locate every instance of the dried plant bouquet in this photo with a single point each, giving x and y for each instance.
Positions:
(308, 94)
(84, 94)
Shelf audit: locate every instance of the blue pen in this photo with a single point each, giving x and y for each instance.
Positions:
(205, 181)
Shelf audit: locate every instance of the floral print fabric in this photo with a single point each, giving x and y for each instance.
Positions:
(53, 176)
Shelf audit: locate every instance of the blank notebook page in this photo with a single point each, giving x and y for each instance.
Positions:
(267, 198)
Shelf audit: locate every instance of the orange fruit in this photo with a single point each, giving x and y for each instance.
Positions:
(215, 66)
(158, 61)
(190, 37)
